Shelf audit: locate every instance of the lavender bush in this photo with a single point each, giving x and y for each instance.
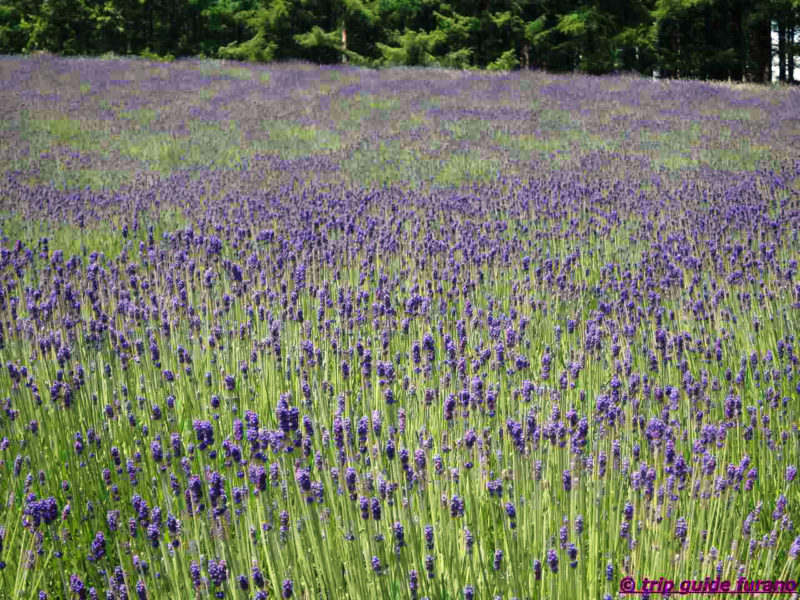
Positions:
(306, 332)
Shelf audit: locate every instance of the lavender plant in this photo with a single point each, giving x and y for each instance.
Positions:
(515, 335)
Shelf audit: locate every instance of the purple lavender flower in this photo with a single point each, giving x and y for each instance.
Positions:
(413, 582)
(428, 535)
(456, 506)
(97, 550)
(76, 586)
(794, 550)
(429, 566)
(399, 535)
(204, 432)
(194, 574)
(156, 451)
(628, 511)
(375, 505)
(572, 554)
(681, 529)
(511, 512)
(258, 577)
(624, 530)
(303, 478)
(552, 560)
(217, 571)
(42, 511)
(469, 540)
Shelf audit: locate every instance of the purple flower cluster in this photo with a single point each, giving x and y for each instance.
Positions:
(249, 374)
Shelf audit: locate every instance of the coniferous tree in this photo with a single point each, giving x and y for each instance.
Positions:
(714, 39)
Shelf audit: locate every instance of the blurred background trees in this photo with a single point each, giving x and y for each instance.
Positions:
(741, 40)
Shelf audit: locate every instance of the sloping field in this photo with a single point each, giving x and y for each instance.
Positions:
(301, 332)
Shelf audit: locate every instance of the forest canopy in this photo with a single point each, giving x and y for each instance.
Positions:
(704, 39)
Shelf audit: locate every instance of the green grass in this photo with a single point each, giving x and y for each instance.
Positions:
(745, 159)
(143, 117)
(525, 144)
(474, 130)
(391, 163)
(555, 119)
(742, 114)
(466, 167)
(290, 140)
(72, 178)
(73, 240)
(693, 146)
(240, 73)
(206, 145)
(69, 132)
(386, 163)
(212, 68)
(350, 113)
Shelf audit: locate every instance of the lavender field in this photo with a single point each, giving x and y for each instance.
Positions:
(289, 331)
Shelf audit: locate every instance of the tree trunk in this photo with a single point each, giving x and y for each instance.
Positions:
(737, 71)
(790, 33)
(781, 51)
(150, 32)
(670, 71)
(764, 56)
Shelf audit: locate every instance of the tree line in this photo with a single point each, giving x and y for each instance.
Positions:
(702, 39)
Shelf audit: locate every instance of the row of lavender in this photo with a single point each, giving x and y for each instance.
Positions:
(522, 388)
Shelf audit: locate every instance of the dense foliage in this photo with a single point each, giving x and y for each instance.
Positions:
(707, 39)
(326, 332)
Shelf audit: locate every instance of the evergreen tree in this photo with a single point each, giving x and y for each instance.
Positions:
(714, 39)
